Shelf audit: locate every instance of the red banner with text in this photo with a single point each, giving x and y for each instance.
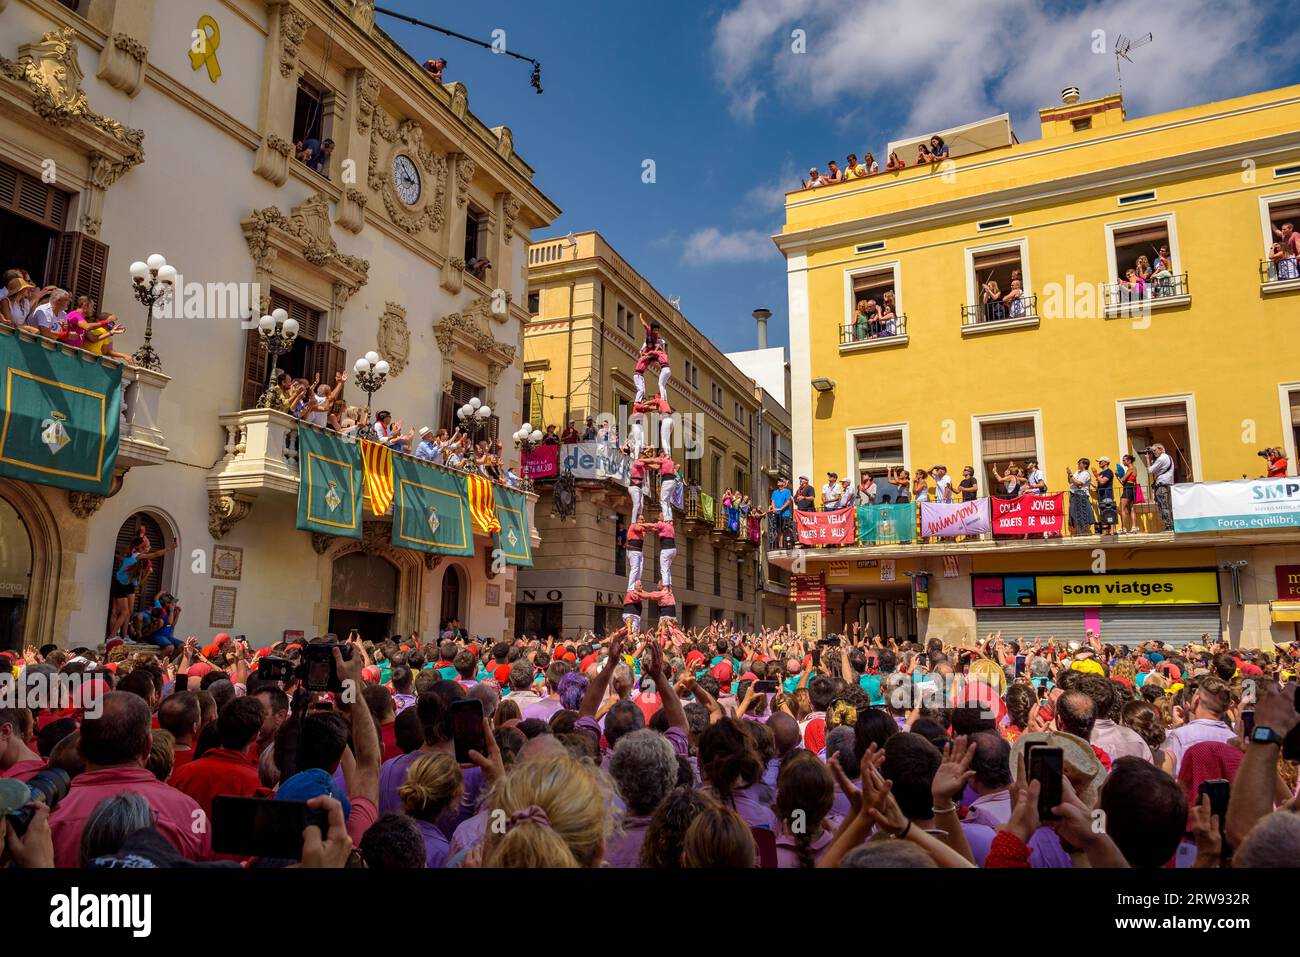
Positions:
(542, 462)
(1029, 515)
(826, 528)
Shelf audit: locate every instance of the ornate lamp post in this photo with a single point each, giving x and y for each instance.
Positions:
(277, 333)
(526, 439)
(153, 282)
(371, 372)
(473, 416)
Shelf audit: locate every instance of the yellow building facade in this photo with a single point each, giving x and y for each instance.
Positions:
(580, 350)
(1201, 359)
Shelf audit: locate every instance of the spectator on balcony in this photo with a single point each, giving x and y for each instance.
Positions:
(1160, 469)
(17, 299)
(322, 400)
(902, 482)
(589, 432)
(1035, 480)
(887, 321)
(1132, 288)
(969, 485)
(814, 179)
(831, 492)
(1012, 481)
(991, 306)
(1105, 478)
(315, 154)
(853, 169)
(551, 437)
(781, 515)
(342, 418)
(870, 165)
(864, 320)
(1128, 478)
(427, 448)
(1014, 301)
(895, 163)
(1277, 464)
(50, 317)
(805, 496)
(942, 484)
(921, 486)
(1162, 273)
(867, 490)
(570, 434)
(1143, 269)
(1080, 481)
(478, 267)
(833, 173)
(389, 432)
(1287, 251)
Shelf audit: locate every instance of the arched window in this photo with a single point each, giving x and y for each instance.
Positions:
(159, 574)
(451, 593)
(15, 576)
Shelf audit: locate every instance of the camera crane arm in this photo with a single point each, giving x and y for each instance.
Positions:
(535, 79)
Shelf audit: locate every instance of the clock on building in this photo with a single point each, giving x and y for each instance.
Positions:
(406, 179)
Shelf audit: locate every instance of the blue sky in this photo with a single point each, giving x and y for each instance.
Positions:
(716, 95)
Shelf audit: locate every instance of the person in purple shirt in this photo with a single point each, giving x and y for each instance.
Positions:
(432, 787)
(731, 770)
(435, 721)
(644, 767)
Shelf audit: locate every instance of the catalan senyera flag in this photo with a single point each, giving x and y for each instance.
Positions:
(377, 465)
(482, 505)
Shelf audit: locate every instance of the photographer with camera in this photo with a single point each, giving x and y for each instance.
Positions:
(1160, 469)
(1277, 463)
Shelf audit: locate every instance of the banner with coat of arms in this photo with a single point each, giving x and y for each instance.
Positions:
(59, 416)
(430, 508)
(330, 483)
(514, 539)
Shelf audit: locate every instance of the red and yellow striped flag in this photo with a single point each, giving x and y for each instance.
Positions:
(377, 467)
(483, 505)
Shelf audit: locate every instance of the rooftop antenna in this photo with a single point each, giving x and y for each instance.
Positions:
(675, 302)
(1123, 47)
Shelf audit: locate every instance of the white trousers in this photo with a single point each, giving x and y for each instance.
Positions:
(639, 380)
(666, 487)
(635, 562)
(666, 565)
(665, 434)
(664, 373)
(637, 492)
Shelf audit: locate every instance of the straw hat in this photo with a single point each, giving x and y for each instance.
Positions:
(1082, 766)
(991, 672)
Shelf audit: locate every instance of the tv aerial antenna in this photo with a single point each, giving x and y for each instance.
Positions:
(1123, 47)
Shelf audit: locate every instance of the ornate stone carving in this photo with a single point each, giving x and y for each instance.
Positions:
(122, 63)
(90, 225)
(472, 327)
(362, 13)
(224, 512)
(459, 99)
(272, 162)
(465, 170)
(308, 228)
(279, 144)
(394, 339)
(407, 136)
(352, 209)
(53, 77)
(293, 27)
(367, 96)
(510, 208)
(84, 504)
(505, 141)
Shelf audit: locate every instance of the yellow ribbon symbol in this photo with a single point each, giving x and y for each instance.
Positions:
(203, 51)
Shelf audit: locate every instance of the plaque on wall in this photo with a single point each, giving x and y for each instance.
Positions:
(222, 614)
(493, 596)
(227, 563)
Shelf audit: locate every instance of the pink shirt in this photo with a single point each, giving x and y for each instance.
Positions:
(177, 816)
(1119, 741)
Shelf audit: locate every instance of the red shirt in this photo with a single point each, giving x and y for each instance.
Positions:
(220, 771)
(388, 737)
(179, 760)
(24, 770)
(1277, 469)
(502, 674)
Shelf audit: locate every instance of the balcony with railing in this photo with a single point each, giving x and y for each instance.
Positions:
(142, 440)
(260, 463)
(778, 465)
(1019, 313)
(1279, 275)
(859, 336)
(1125, 299)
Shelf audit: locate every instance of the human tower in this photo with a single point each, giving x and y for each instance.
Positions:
(650, 460)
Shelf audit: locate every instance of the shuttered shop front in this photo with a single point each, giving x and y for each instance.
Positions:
(1173, 624)
(1065, 624)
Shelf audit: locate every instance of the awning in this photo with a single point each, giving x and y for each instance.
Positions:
(987, 134)
(1284, 610)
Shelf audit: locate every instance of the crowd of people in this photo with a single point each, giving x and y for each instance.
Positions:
(708, 748)
(51, 313)
(933, 153)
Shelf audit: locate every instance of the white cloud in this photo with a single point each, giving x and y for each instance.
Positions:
(946, 62)
(711, 245)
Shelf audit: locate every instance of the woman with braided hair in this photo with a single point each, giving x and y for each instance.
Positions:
(805, 792)
(432, 787)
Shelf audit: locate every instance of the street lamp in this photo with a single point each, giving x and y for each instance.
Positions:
(276, 335)
(371, 373)
(473, 415)
(527, 438)
(153, 282)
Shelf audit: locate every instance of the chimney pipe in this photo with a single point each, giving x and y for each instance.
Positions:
(761, 316)
(1070, 95)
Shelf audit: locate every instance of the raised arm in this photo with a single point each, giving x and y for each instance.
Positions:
(595, 693)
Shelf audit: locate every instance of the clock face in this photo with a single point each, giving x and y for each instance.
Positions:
(406, 179)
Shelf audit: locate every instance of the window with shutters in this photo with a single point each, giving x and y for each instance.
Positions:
(994, 275)
(312, 352)
(1163, 423)
(159, 573)
(32, 217)
(461, 392)
(690, 564)
(877, 453)
(717, 572)
(1280, 212)
(312, 121)
(1149, 249)
(1004, 443)
(79, 265)
(1293, 403)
